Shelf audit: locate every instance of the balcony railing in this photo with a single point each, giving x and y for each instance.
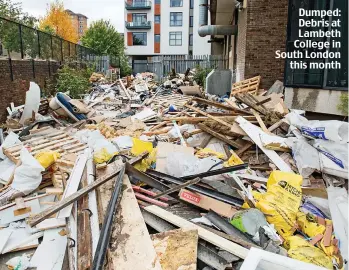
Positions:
(138, 25)
(138, 4)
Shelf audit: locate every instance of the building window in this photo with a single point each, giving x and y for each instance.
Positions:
(176, 3)
(139, 18)
(175, 38)
(157, 18)
(316, 77)
(191, 40)
(176, 18)
(139, 39)
(157, 38)
(191, 21)
(191, 4)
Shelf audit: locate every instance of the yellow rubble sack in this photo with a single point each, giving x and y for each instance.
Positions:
(301, 250)
(102, 156)
(47, 158)
(281, 201)
(140, 146)
(145, 163)
(307, 223)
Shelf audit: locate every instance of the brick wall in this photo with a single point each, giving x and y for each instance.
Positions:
(266, 31)
(14, 90)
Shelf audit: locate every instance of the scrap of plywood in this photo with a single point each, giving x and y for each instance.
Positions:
(203, 233)
(165, 150)
(176, 249)
(207, 203)
(21, 239)
(4, 237)
(50, 253)
(130, 243)
(73, 184)
(249, 85)
(12, 214)
(254, 133)
(51, 223)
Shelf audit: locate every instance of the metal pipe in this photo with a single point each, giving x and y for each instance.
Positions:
(196, 188)
(226, 227)
(203, 12)
(150, 200)
(216, 172)
(211, 30)
(104, 238)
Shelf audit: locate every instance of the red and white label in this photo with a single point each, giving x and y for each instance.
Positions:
(190, 197)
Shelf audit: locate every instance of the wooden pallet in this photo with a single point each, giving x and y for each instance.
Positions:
(250, 85)
(56, 141)
(174, 99)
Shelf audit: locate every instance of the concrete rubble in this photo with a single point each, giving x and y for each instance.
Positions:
(142, 175)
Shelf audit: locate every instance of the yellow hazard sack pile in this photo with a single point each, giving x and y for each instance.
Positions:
(302, 250)
(281, 201)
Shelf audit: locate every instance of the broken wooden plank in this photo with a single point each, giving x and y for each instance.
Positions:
(124, 89)
(35, 219)
(51, 223)
(84, 240)
(176, 249)
(207, 203)
(73, 184)
(21, 241)
(218, 136)
(209, 116)
(130, 243)
(12, 214)
(92, 202)
(50, 253)
(254, 133)
(203, 233)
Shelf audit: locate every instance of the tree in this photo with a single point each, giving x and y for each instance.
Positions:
(9, 31)
(59, 20)
(105, 40)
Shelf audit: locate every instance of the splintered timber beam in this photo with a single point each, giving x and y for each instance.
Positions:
(32, 221)
(218, 136)
(220, 105)
(209, 116)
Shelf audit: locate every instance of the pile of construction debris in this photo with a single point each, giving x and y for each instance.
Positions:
(141, 175)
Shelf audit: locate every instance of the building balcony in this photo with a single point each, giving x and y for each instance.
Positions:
(132, 5)
(138, 25)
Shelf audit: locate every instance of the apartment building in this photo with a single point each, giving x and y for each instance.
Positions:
(163, 27)
(79, 22)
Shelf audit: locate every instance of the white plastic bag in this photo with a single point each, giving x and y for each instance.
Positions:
(32, 102)
(19, 262)
(10, 140)
(27, 176)
(183, 164)
(333, 157)
(97, 141)
(332, 130)
(306, 157)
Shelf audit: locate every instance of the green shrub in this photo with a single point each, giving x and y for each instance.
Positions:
(343, 104)
(201, 74)
(74, 81)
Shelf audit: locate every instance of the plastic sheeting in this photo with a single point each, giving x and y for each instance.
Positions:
(27, 176)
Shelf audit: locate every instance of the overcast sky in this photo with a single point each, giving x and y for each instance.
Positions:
(112, 10)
